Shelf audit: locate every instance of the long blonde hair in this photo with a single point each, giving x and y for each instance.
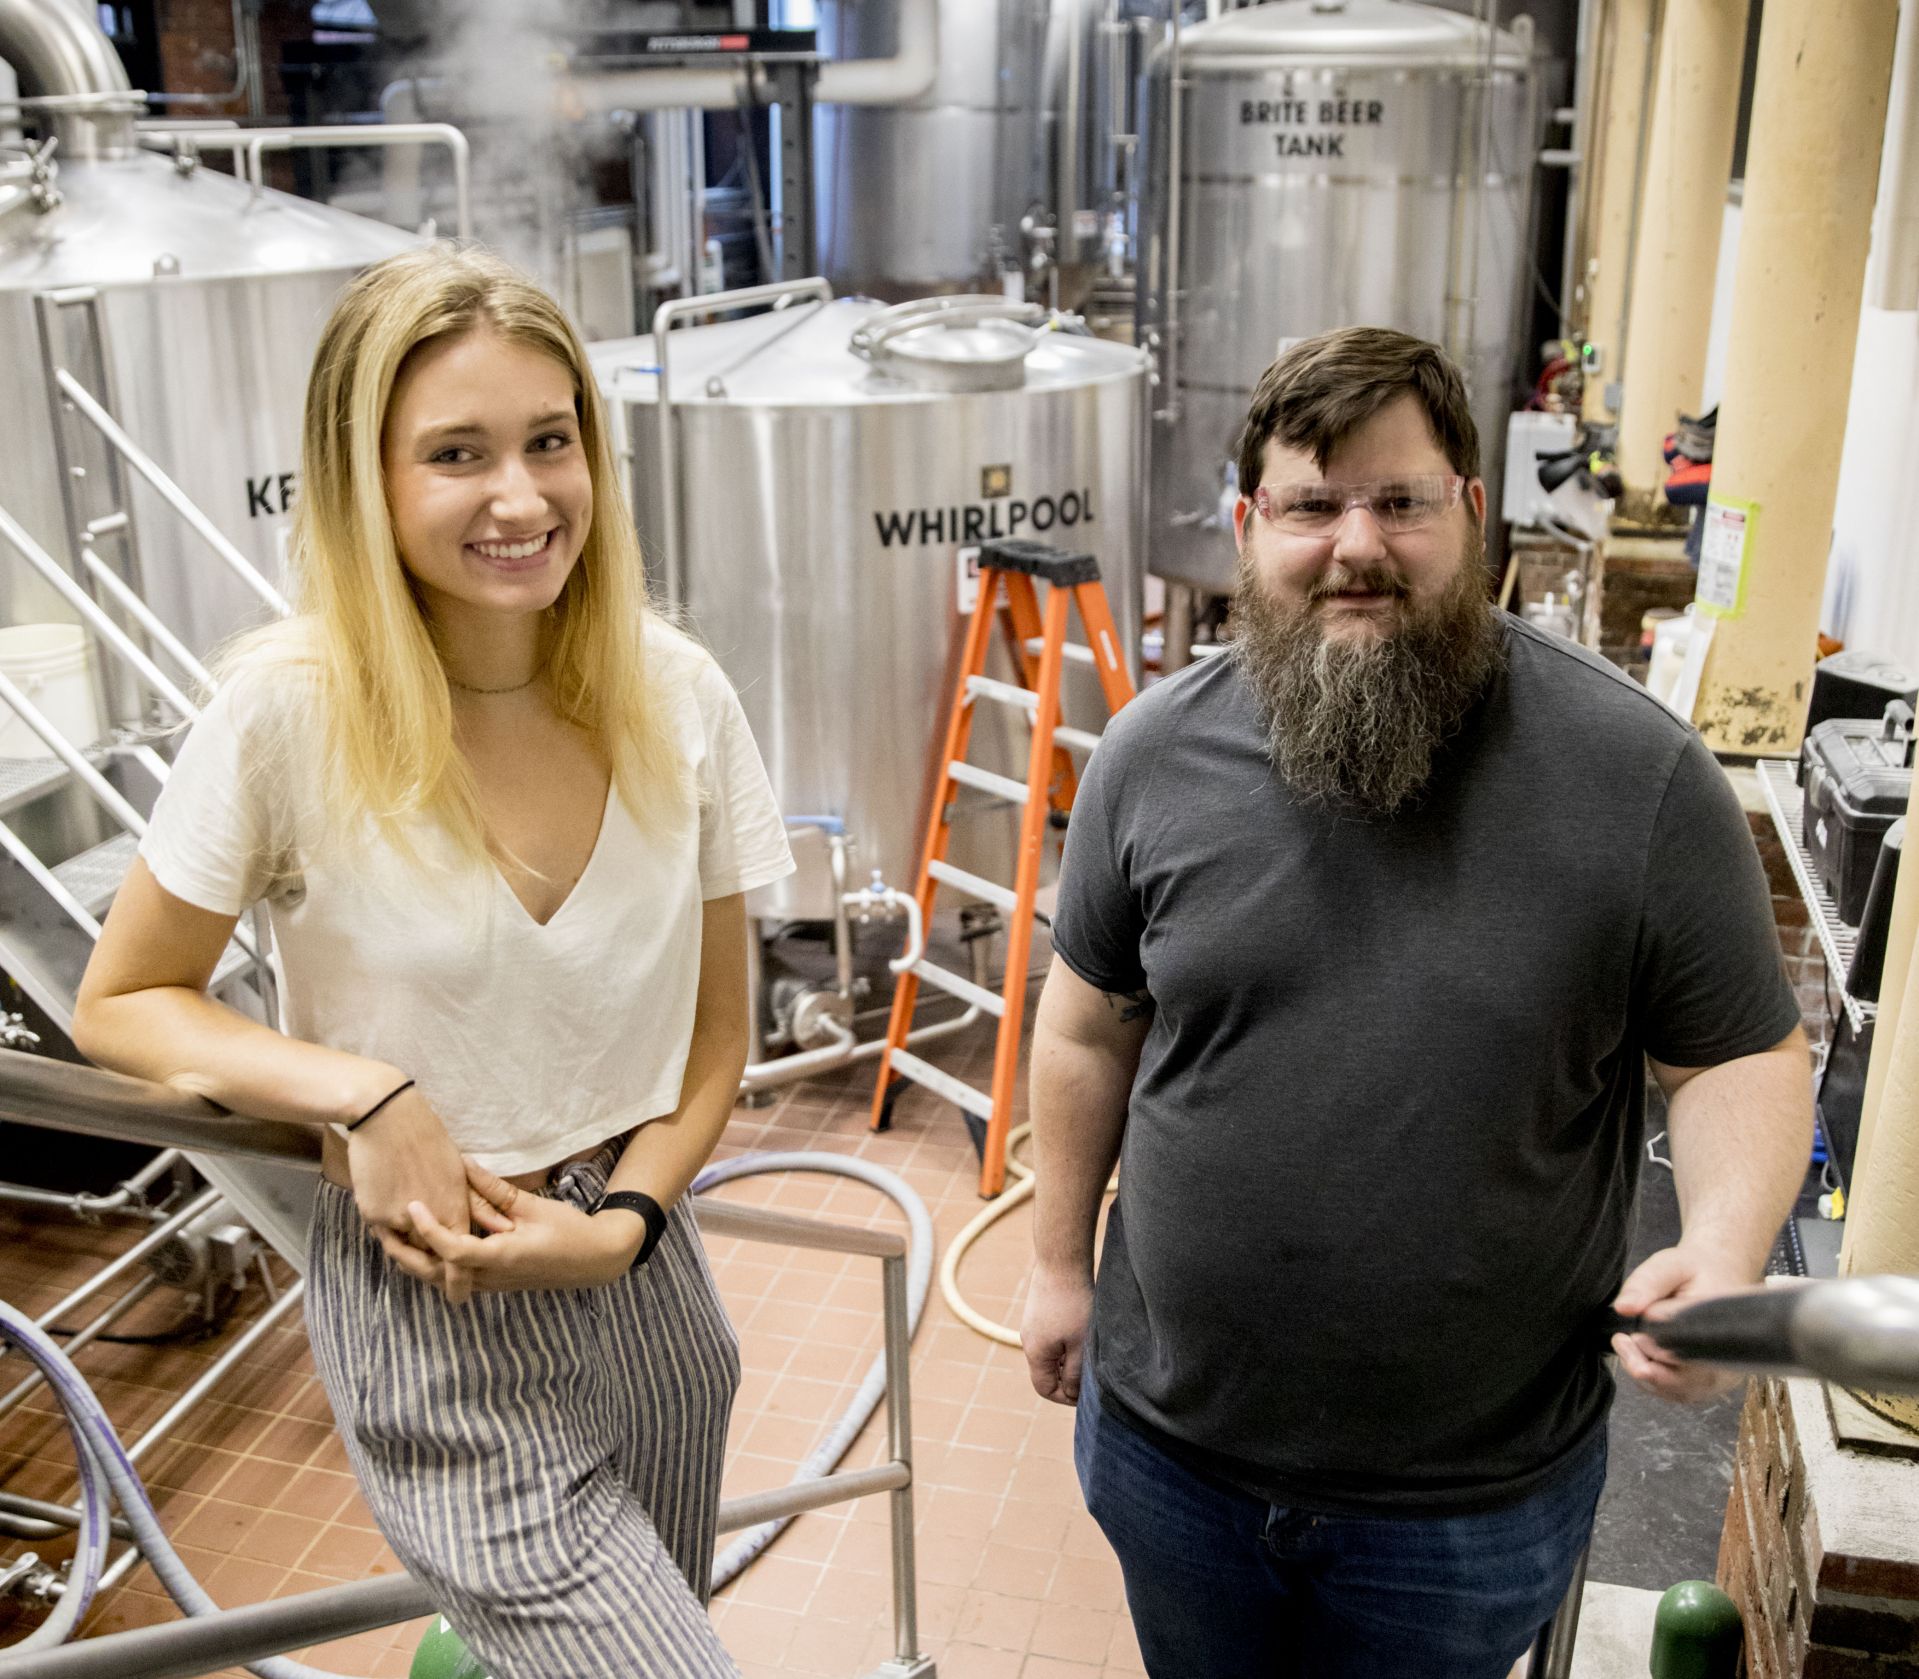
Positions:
(390, 750)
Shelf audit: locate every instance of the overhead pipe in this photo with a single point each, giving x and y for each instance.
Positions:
(897, 80)
(61, 56)
(1892, 274)
(1695, 110)
(1622, 80)
(57, 52)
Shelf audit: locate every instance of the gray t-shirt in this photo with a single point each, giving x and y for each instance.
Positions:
(1381, 1151)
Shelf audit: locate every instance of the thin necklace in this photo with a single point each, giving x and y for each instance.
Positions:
(468, 688)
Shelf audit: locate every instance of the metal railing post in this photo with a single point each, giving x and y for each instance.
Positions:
(1552, 1655)
(899, 1439)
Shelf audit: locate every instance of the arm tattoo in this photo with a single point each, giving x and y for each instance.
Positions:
(1129, 1005)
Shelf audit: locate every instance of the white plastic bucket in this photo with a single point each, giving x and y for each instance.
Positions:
(1669, 639)
(49, 663)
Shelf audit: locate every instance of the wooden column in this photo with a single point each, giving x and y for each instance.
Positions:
(1624, 44)
(1882, 1217)
(1812, 166)
(1695, 118)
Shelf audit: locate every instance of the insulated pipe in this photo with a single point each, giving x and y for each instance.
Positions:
(1892, 280)
(1616, 156)
(1795, 326)
(1882, 1216)
(897, 80)
(56, 52)
(1695, 118)
(60, 54)
(1901, 937)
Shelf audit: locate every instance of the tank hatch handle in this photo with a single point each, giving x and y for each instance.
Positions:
(969, 309)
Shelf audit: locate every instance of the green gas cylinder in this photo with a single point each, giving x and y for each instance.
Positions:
(1697, 1633)
(442, 1655)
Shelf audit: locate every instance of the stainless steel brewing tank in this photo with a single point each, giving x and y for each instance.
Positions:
(827, 505)
(190, 305)
(1318, 164)
(930, 195)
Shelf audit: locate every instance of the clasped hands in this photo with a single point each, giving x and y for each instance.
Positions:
(448, 1222)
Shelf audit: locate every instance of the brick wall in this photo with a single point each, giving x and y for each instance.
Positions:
(1767, 1547)
(196, 50)
(1813, 1608)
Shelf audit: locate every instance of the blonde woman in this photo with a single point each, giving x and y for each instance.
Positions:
(502, 819)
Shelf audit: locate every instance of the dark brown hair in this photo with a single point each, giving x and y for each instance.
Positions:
(1322, 388)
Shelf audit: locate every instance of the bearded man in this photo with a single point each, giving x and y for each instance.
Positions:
(1367, 931)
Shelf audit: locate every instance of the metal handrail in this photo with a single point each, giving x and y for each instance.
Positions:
(156, 475)
(323, 138)
(15, 535)
(61, 1096)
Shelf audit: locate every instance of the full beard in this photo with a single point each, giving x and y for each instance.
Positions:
(1355, 721)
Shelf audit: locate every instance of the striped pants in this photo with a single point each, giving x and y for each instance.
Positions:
(546, 1464)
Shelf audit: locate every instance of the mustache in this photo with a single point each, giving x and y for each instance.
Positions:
(1370, 580)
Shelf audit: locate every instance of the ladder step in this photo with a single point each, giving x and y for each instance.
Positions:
(986, 781)
(956, 985)
(991, 892)
(22, 780)
(94, 875)
(1006, 693)
(943, 1085)
(1080, 655)
(975, 886)
(1011, 693)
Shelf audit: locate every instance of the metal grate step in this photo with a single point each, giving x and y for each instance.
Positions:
(22, 780)
(95, 874)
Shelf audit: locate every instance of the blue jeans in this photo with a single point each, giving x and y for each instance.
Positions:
(1223, 1585)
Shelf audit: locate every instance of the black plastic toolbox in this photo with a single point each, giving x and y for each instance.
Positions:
(1857, 777)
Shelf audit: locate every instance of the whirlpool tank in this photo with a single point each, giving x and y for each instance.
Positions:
(1317, 164)
(838, 462)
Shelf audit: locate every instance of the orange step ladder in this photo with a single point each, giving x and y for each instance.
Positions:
(1040, 652)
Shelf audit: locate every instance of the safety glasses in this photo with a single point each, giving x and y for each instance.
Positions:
(1398, 504)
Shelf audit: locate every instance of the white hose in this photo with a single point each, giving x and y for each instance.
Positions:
(977, 1226)
(105, 1466)
(981, 1222)
(835, 1444)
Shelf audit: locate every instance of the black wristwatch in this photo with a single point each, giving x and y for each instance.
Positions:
(632, 1201)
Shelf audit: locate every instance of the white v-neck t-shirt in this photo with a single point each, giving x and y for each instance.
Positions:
(532, 1041)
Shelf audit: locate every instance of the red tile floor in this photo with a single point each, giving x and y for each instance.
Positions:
(1014, 1579)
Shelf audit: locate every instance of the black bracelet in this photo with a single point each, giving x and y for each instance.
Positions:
(401, 1090)
(632, 1201)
